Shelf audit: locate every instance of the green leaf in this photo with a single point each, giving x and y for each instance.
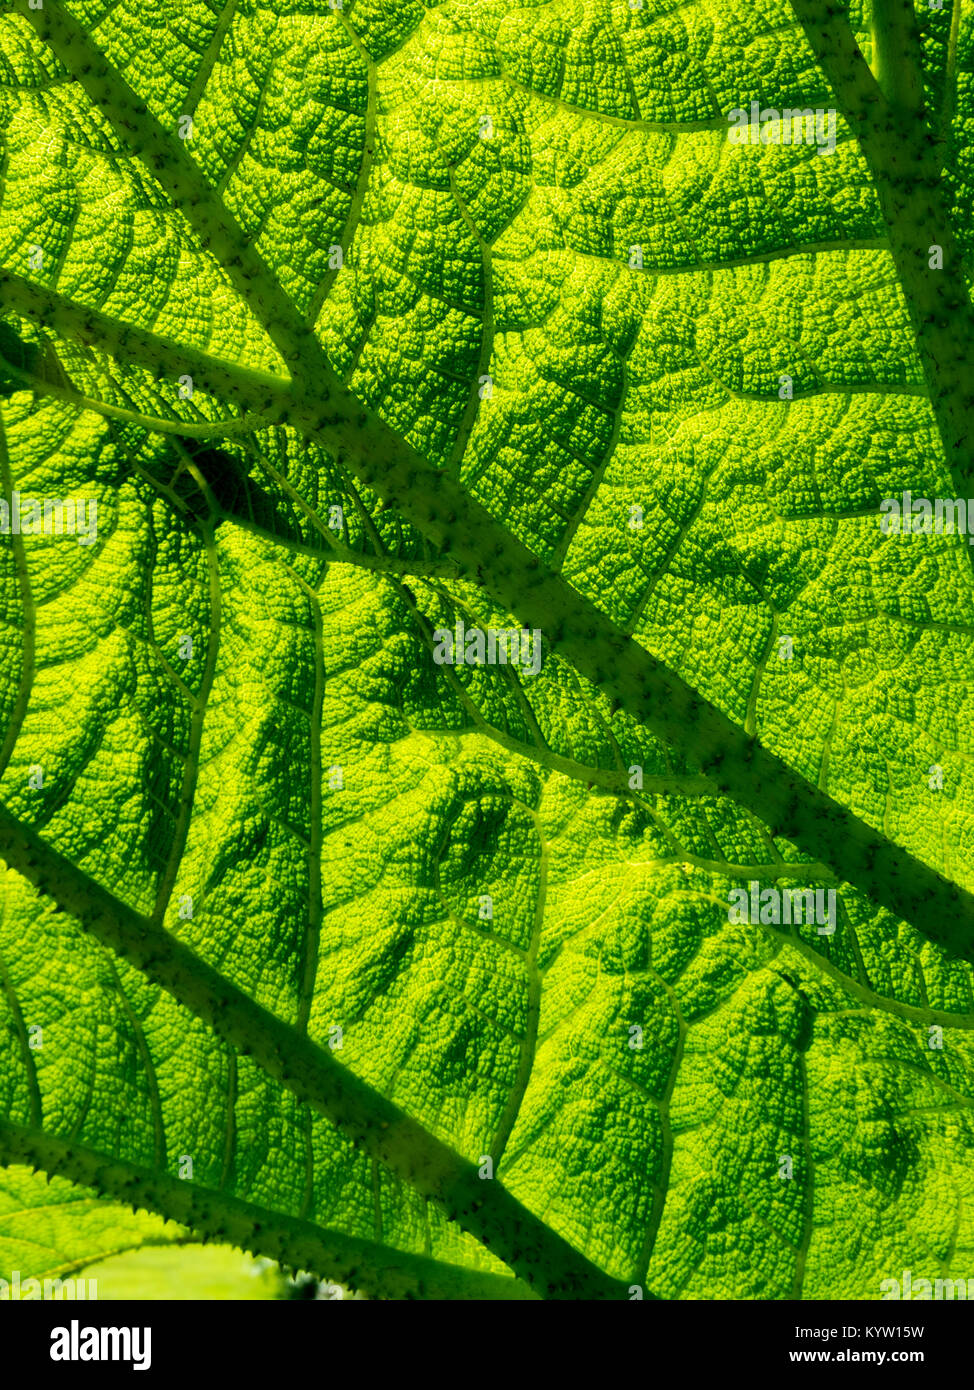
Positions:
(357, 324)
(51, 1229)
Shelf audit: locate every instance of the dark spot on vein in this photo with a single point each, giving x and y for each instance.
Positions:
(19, 359)
(234, 492)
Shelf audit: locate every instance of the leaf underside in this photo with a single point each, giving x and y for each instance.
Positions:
(355, 324)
